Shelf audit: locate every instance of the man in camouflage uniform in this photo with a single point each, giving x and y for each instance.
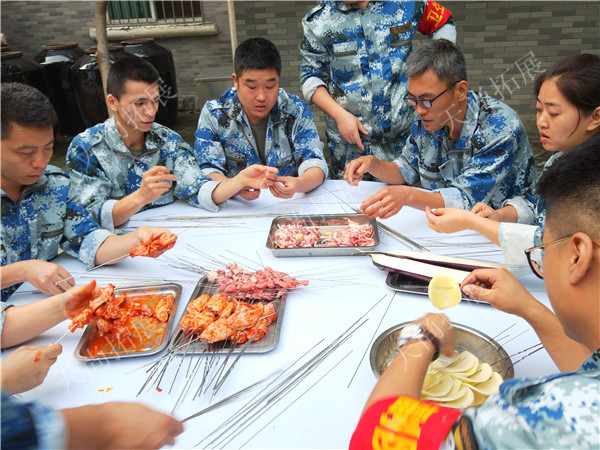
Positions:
(553, 411)
(256, 135)
(129, 162)
(353, 62)
(37, 214)
(465, 147)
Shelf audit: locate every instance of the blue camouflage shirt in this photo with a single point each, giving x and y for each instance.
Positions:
(491, 160)
(557, 411)
(103, 170)
(31, 425)
(359, 55)
(43, 219)
(225, 143)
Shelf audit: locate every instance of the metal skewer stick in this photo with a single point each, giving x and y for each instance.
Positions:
(290, 380)
(372, 338)
(296, 399)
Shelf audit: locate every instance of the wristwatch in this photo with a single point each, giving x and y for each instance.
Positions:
(416, 331)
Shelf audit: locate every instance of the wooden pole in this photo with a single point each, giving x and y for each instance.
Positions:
(102, 45)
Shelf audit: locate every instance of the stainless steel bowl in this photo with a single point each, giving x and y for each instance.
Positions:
(385, 348)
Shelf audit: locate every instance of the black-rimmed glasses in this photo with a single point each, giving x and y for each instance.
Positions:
(411, 101)
(535, 255)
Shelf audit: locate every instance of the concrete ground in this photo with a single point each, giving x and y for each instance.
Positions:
(186, 123)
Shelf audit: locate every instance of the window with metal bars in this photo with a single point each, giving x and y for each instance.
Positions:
(154, 12)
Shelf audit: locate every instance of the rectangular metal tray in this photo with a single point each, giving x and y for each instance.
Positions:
(149, 335)
(182, 344)
(404, 283)
(326, 222)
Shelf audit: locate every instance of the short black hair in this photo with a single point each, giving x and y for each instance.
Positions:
(26, 106)
(129, 68)
(256, 53)
(570, 189)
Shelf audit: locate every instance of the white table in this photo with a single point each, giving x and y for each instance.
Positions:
(324, 416)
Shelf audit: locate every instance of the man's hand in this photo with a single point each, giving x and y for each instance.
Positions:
(386, 202)
(48, 277)
(350, 128)
(249, 193)
(448, 220)
(500, 289)
(27, 367)
(285, 187)
(77, 299)
(440, 326)
(258, 176)
(120, 425)
(483, 210)
(145, 233)
(356, 169)
(155, 182)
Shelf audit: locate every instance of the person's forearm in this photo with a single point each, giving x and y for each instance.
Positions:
(419, 199)
(310, 179)
(116, 247)
(405, 374)
(326, 103)
(386, 171)
(12, 274)
(566, 353)
(227, 189)
(508, 214)
(81, 432)
(25, 322)
(484, 226)
(127, 207)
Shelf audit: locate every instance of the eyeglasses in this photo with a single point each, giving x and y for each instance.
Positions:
(411, 101)
(535, 255)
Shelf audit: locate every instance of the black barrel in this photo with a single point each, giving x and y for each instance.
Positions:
(56, 60)
(162, 59)
(87, 84)
(18, 68)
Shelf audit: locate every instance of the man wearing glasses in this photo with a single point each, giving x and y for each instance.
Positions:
(465, 147)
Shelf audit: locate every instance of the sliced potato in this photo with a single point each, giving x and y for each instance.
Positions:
(444, 292)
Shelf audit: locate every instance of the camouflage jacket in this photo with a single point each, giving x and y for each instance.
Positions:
(491, 160)
(103, 170)
(557, 411)
(225, 143)
(359, 55)
(45, 218)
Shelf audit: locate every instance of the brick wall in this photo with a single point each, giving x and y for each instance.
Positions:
(505, 43)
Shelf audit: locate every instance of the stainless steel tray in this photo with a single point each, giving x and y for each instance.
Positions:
(466, 338)
(326, 222)
(184, 344)
(404, 283)
(149, 335)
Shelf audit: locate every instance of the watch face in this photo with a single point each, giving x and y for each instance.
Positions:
(409, 331)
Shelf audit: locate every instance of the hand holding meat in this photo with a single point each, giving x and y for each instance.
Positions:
(154, 245)
(356, 169)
